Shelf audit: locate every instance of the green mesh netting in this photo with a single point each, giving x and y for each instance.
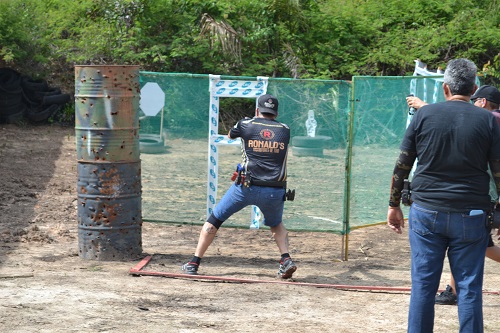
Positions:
(341, 177)
(379, 119)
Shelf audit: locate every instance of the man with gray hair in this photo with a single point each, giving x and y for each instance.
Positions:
(454, 142)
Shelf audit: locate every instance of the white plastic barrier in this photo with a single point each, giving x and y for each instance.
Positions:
(235, 89)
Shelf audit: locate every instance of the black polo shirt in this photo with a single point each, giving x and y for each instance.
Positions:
(264, 147)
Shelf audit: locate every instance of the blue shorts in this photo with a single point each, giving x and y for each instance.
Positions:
(270, 201)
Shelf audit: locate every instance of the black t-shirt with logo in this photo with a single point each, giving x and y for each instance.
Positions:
(264, 147)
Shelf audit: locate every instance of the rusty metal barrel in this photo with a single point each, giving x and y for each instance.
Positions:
(109, 169)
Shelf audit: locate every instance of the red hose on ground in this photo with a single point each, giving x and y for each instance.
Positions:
(137, 270)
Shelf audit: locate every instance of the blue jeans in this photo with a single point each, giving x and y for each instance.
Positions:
(432, 234)
(270, 201)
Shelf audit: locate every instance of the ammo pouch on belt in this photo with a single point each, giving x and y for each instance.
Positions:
(406, 194)
(494, 216)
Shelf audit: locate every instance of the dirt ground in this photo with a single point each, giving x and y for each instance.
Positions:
(46, 287)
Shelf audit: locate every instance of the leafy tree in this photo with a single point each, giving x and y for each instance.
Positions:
(20, 35)
(328, 39)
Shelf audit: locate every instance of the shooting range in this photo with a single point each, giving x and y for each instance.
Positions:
(341, 174)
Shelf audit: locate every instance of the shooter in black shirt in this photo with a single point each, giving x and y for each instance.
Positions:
(260, 182)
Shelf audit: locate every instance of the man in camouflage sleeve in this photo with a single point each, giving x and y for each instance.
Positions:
(454, 142)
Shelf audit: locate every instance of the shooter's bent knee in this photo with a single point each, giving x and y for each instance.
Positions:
(209, 228)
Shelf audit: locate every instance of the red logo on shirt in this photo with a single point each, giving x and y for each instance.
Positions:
(266, 134)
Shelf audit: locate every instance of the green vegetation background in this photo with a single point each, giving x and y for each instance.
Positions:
(329, 39)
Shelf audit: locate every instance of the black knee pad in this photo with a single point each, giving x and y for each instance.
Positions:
(215, 221)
